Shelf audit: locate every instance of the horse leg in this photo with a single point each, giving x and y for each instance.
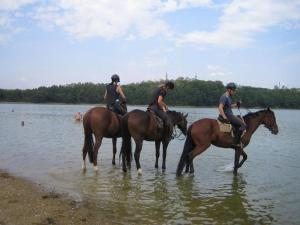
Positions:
(84, 153)
(237, 155)
(157, 148)
(96, 148)
(196, 151)
(192, 166)
(137, 152)
(244, 158)
(114, 142)
(187, 168)
(165, 146)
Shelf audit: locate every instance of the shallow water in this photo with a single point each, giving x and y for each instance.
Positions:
(47, 149)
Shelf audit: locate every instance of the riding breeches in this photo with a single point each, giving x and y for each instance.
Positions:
(237, 122)
(117, 108)
(167, 120)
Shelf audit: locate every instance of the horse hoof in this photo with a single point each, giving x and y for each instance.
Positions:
(140, 172)
(96, 168)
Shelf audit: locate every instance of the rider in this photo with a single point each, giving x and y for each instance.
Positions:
(112, 96)
(225, 105)
(158, 105)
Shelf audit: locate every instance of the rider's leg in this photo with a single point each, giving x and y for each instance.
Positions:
(167, 123)
(242, 126)
(119, 109)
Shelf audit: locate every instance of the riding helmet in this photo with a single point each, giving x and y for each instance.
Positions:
(231, 86)
(115, 78)
(170, 85)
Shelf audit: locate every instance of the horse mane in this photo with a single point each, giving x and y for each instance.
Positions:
(251, 115)
(174, 115)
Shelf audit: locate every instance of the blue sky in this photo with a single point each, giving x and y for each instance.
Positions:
(53, 42)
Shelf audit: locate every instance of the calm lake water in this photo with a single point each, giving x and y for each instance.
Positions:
(47, 150)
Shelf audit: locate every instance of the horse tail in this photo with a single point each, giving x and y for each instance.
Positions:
(126, 149)
(188, 147)
(88, 137)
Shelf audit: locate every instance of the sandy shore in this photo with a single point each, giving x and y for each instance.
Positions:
(25, 203)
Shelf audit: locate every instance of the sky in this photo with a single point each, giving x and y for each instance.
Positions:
(57, 42)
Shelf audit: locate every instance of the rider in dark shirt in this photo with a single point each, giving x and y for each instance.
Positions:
(112, 96)
(158, 105)
(225, 106)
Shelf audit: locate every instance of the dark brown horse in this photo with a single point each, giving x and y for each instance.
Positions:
(204, 132)
(141, 125)
(102, 123)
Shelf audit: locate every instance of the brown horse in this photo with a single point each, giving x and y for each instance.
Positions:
(204, 132)
(141, 125)
(102, 123)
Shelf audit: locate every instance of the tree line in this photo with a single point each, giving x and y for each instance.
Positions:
(187, 92)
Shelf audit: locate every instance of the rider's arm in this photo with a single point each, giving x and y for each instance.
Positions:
(162, 104)
(120, 91)
(234, 105)
(221, 110)
(237, 104)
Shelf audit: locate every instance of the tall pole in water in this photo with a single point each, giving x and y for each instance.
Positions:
(166, 76)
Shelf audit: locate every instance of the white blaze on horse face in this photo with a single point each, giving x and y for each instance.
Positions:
(140, 171)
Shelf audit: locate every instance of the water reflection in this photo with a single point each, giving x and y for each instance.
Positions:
(159, 198)
(227, 205)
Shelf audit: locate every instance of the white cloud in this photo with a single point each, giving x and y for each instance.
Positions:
(112, 19)
(217, 71)
(173, 5)
(11, 5)
(242, 20)
(132, 19)
(105, 19)
(8, 13)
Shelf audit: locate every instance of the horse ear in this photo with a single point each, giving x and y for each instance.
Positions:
(268, 108)
(186, 115)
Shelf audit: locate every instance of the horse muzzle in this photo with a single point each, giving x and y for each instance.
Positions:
(274, 131)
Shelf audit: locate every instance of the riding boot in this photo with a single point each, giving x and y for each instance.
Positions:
(169, 131)
(237, 140)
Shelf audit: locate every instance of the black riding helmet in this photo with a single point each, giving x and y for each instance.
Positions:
(231, 86)
(115, 78)
(170, 85)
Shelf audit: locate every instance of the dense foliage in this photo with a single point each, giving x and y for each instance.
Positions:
(187, 92)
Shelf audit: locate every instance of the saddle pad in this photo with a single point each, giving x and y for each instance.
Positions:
(225, 127)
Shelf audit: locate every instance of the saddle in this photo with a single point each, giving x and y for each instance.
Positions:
(226, 127)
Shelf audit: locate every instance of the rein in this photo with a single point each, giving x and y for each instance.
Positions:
(177, 134)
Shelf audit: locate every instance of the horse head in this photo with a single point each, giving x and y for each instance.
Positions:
(179, 119)
(269, 121)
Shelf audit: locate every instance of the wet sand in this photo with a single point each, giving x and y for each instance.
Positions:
(26, 203)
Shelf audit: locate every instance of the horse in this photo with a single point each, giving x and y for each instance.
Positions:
(101, 122)
(141, 125)
(204, 132)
